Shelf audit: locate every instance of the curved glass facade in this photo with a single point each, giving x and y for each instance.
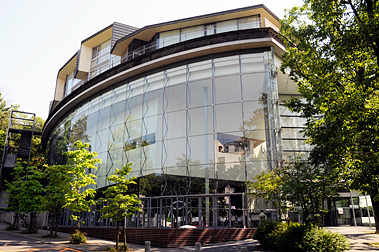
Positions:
(197, 128)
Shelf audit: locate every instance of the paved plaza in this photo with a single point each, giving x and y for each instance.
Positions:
(360, 238)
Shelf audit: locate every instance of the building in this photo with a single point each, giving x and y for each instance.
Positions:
(193, 104)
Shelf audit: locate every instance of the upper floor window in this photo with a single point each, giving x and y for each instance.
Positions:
(71, 81)
(100, 53)
(100, 58)
(179, 35)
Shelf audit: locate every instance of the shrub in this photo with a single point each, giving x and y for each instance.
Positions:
(318, 239)
(120, 248)
(292, 238)
(269, 233)
(297, 237)
(30, 231)
(12, 227)
(78, 237)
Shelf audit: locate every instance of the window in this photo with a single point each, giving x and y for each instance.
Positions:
(70, 83)
(100, 58)
(191, 32)
(248, 23)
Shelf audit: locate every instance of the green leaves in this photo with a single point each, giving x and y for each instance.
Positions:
(118, 204)
(332, 54)
(80, 197)
(25, 191)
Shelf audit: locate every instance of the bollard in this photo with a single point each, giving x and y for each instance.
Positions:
(197, 246)
(147, 246)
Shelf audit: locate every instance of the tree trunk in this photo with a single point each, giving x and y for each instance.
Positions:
(117, 234)
(52, 223)
(31, 221)
(15, 219)
(56, 225)
(124, 232)
(375, 208)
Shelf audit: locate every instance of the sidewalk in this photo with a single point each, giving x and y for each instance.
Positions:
(360, 238)
(97, 244)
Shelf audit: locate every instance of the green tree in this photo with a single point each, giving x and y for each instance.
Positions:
(332, 54)
(5, 110)
(55, 192)
(118, 204)
(306, 186)
(80, 197)
(269, 186)
(25, 193)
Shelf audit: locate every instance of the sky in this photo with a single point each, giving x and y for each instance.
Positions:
(40, 36)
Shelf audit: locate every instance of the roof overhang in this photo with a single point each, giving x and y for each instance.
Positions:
(146, 33)
(68, 67)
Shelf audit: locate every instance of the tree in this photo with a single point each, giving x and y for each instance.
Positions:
(306, 186)
(56, 190)
(118, 204)
(269, 186)
(80, 197)
(25, 193)
(5, 110)
(332, 54)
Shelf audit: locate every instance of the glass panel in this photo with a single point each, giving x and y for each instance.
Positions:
(252, 62)
(225, 26)
(295, 145)
(133, 130)
(231, 171)
(117, 136)
(255, 142)
(227, 89)
(200, 150)
(152, 126)
(176, 124)
(248, 22)
(292, 133)
(176, 75)
(154, 105)
(176, 151)
(210, 29)
(168, 38)
(253, 86)
(229, 147)
(200, 70)
(228, 117)
(200, 121)
(226, 66)
(254, 115)
(118, 113)
(191, 32)
(200, 93)
(176, 97)
(292, 121)
(134, 108)
(255, 168)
